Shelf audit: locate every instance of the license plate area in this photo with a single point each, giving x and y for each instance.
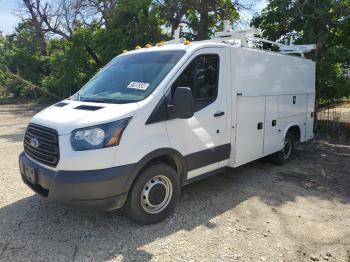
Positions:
(30, 174)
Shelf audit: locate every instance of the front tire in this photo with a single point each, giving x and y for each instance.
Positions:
(287, 151)
(154, 194)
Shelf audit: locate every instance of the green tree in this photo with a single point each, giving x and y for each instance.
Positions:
(71, 65)
(200, 19)
(131, 24)
(20, 56)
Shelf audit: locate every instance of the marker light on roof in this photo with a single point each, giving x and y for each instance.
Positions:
(125, 51)
(187, 42)
(138, 47)
(160, 44)
(148, 46)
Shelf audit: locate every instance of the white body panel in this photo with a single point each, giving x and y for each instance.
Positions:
(249, 139)
(267, 86)
(272, 131)
(255, 73)
(265, 81)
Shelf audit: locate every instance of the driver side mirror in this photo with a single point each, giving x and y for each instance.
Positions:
(183, 105)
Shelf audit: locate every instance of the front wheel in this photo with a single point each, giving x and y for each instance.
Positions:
(154, 194)
(287, 151)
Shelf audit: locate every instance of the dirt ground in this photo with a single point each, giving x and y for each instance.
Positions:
(258, 212)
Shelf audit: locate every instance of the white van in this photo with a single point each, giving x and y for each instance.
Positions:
(157, 118)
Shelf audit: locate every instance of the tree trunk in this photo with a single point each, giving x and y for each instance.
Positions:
(93, 55)
(203, 25)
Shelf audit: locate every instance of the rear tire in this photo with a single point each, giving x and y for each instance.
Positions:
(154, 194)
(287, 151)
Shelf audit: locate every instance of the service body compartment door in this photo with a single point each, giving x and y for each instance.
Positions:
(250, 128)
(272, 133)
(309, 133)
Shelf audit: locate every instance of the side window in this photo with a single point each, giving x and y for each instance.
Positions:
(202, 76)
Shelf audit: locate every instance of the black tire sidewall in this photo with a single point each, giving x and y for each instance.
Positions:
(290, 137)
(134, 207)
(278, 158)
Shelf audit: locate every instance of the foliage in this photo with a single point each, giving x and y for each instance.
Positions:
(71, 65)
(199, 19)
(133, 23)
(21, 54)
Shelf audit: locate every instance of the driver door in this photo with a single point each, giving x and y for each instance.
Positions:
(202, 139)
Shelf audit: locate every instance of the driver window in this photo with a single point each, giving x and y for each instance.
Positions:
(202, 76)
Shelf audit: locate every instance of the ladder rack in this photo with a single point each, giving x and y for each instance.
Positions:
(244, 37)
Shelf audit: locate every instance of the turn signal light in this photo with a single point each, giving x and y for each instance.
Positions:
(115, 138)
(187, 42)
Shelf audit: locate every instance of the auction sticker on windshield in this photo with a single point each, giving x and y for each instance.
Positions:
(138, 85)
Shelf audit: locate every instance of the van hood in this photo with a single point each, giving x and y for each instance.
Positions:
(67, 115)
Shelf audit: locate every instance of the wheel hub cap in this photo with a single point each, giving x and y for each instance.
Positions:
(156, 194)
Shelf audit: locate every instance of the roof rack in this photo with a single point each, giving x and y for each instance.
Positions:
(243, 37)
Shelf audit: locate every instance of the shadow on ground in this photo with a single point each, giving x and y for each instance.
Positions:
(14, 136)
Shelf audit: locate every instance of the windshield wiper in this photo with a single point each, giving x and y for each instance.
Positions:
(95, 100)
(101, 100)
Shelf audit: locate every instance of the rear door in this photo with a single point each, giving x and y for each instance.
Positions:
(202, 139)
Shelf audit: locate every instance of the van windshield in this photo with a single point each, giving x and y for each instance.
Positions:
(129, 78)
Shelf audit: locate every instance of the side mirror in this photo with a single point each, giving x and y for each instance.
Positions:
(183, 105)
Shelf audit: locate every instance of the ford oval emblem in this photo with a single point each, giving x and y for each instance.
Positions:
(34, 142)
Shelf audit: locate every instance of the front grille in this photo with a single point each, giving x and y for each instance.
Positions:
(47, 151)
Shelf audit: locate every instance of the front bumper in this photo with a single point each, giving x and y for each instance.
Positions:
(102, 189)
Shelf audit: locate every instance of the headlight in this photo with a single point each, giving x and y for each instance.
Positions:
(100, 136)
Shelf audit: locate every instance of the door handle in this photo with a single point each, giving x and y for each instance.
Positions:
(219, 113)
(260, 125)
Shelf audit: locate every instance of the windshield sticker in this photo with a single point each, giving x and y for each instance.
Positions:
(138, 85)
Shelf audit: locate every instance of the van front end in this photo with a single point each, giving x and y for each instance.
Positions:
(77, 167)
(93, 149)
(102, 189)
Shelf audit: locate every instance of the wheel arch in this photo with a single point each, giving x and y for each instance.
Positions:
(295, 129)
(163, 155)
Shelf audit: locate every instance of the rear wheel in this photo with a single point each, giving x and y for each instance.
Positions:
(287, 151)
(154, 194)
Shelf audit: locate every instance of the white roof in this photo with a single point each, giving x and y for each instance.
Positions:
(179, 46)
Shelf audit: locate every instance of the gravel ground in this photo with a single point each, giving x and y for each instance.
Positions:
(259, 212)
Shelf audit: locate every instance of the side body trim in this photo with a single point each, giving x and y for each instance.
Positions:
(208, 156)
